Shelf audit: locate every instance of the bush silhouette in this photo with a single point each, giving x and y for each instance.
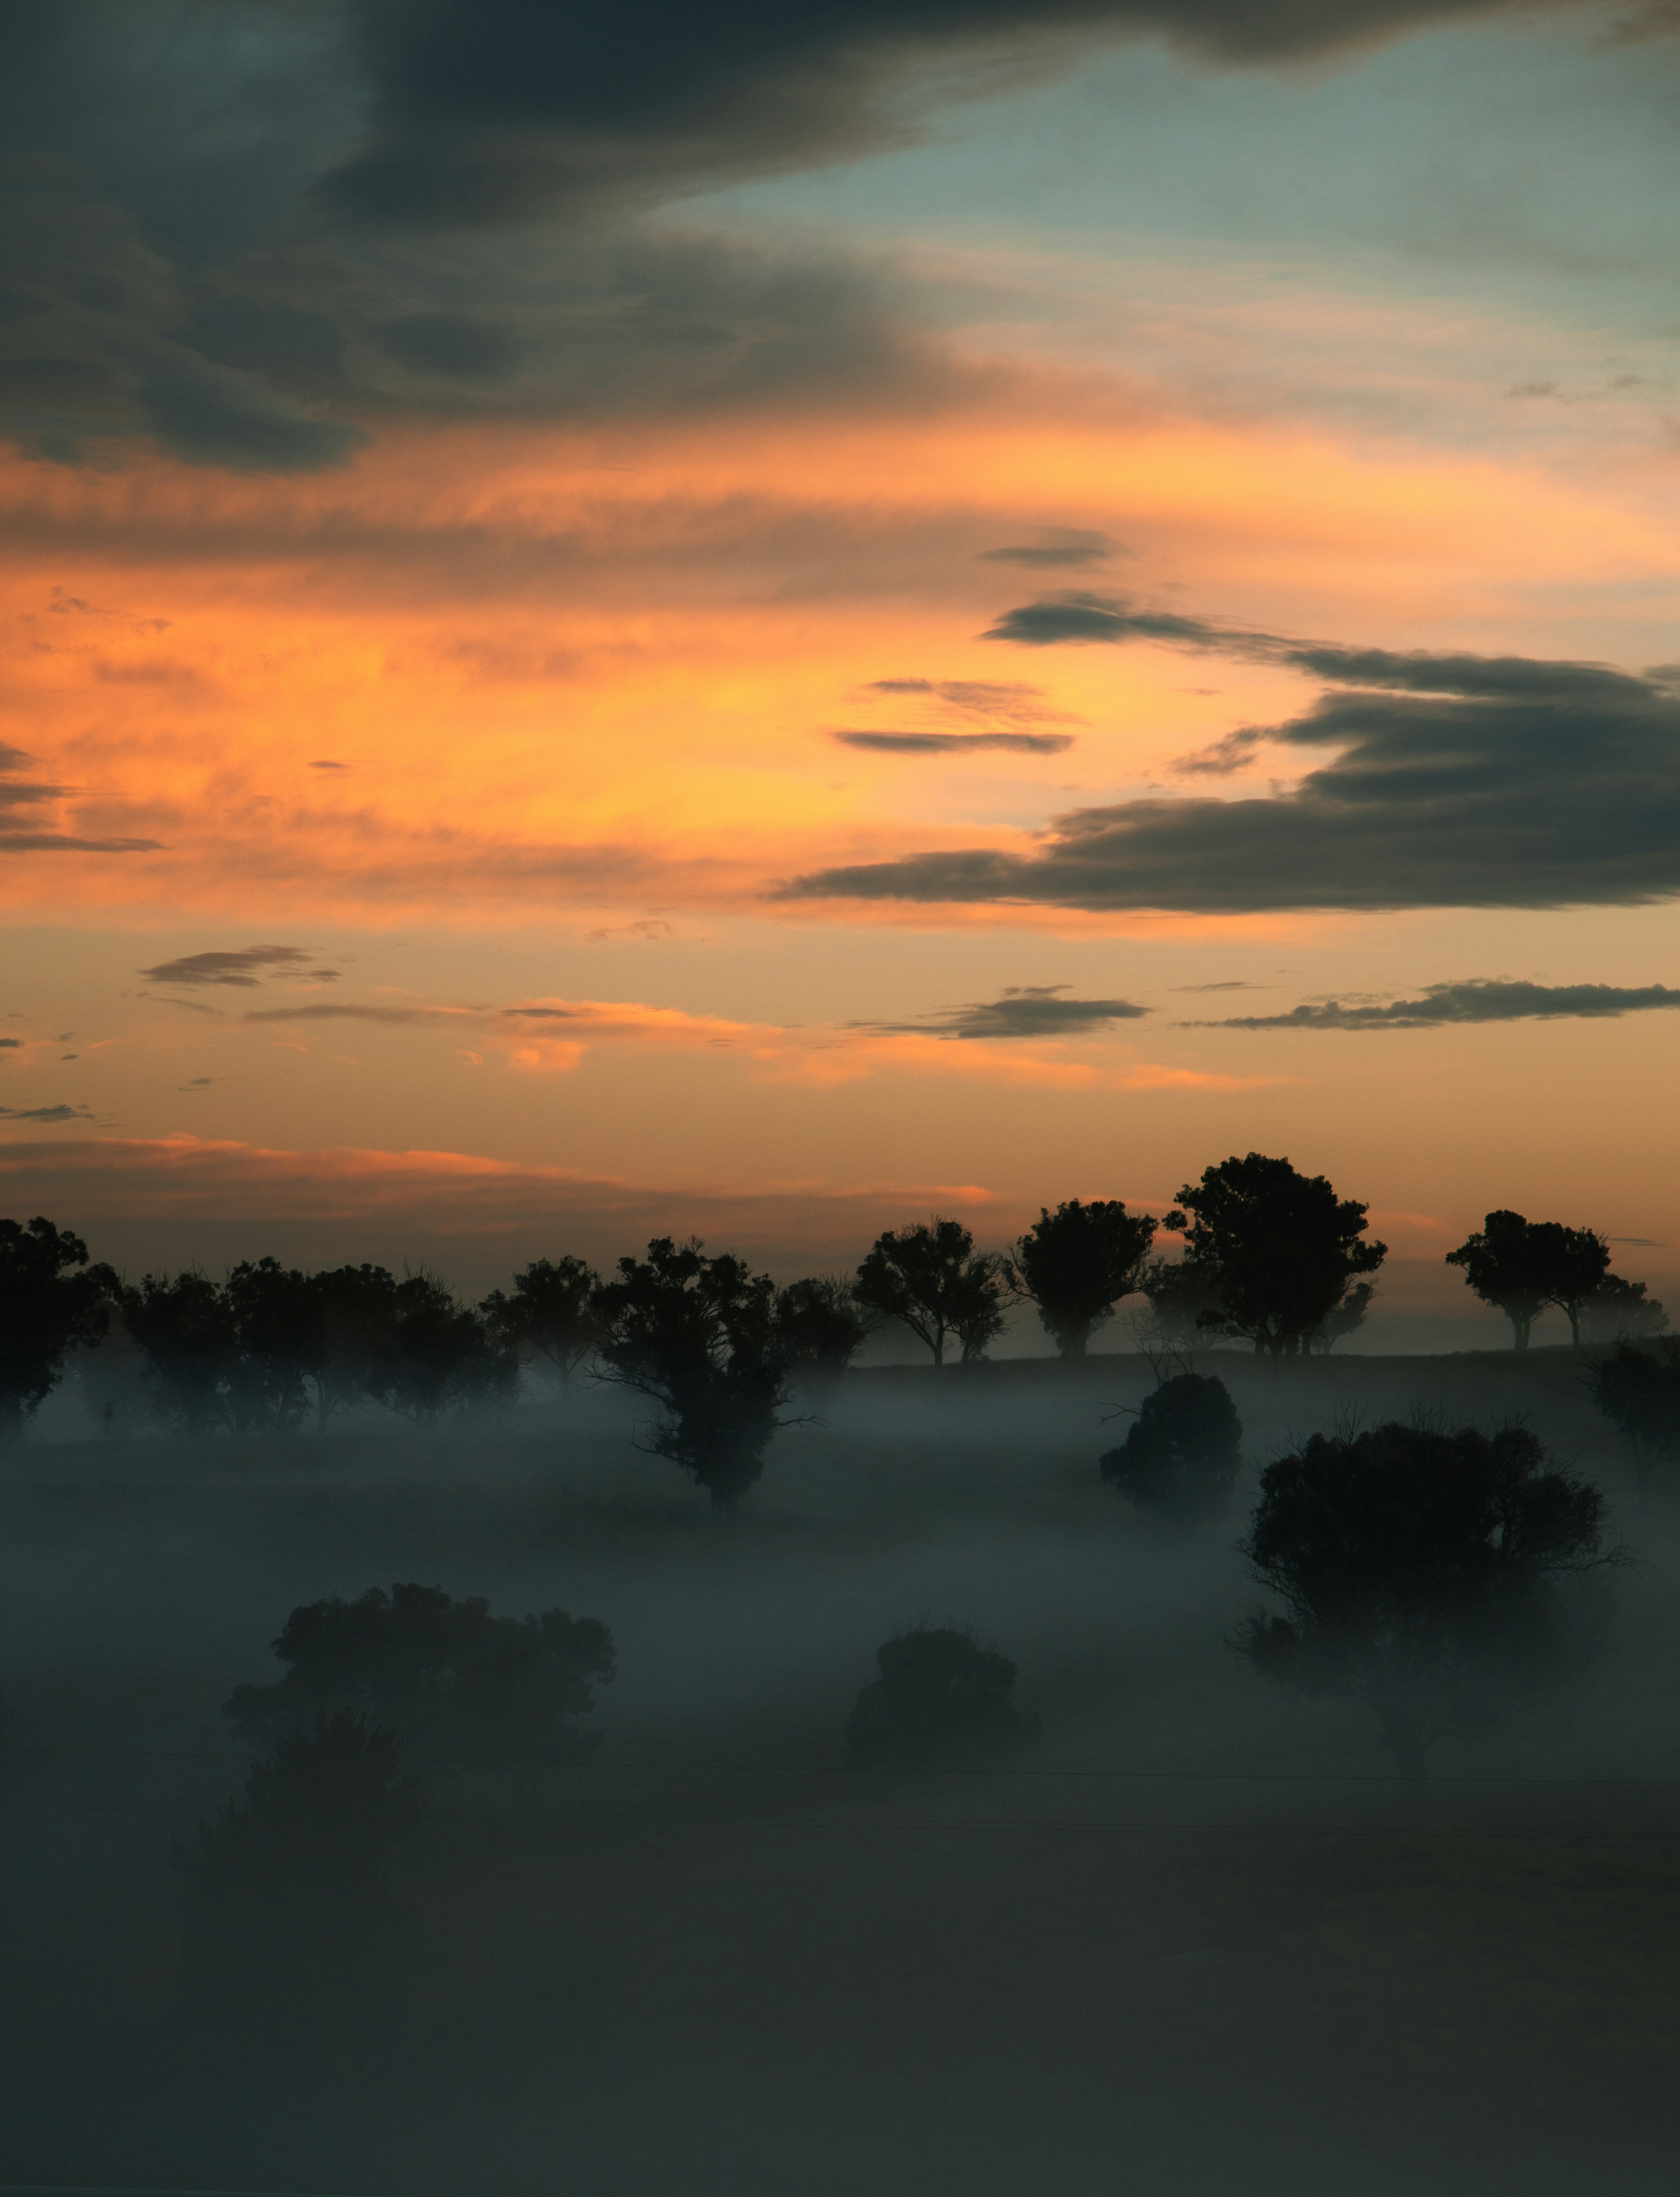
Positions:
(1638, 1391)
(939, 1699)
(459, 1684)
(289, 1922)
(1183, 1455)
(1419, 1573)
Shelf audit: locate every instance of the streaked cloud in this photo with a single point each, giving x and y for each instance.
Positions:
(243, 965)
(1057, 545)
(1473, 999)
(885, 743)
(1023, 1011)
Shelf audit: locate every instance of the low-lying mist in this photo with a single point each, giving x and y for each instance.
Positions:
(1199, 1936)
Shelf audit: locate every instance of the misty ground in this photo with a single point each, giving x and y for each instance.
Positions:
(1200, 1940)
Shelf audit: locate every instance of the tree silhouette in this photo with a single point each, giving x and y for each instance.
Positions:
(277, 1322)
(549, 1314)
(1178, 1292)
(1618, 1309)
(459, 1683)
(1077, 1263)
(1183, 1455)
(939, 1699)
(288, 1918)
(1638, 1391)
(188, 1330)
(1278, 1249)
(436, 1354)
(1524, 1266)
(356, 1311)
(820, 1326)
(698, 1335)
(50, 1299)
(928, 1276)
(1419, 1572)
(1345, 1318)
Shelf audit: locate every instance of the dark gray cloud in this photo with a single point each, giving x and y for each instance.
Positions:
(1038, 1010)
(9, 1044)
(1080, 616)
(1456, 782)
(335, 1011)
(244, 966)
(45, 1113)
(251, 233)
(1059, 545)
(1473, 999)
(954, 743)
(1221, 758)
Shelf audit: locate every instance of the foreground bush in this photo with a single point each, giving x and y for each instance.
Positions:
(939, 1699)
(1183, 1455)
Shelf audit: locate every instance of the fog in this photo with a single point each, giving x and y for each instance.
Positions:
(1199, 1938)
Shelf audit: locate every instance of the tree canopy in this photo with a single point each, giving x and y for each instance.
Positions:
(1278, 1248)
(1417, 1570)
(928, 1276)
(549, 1314)
(1183, 1455)
(1638, 1391)
(50, 1299)
(1525, 1265)
(1077, 1263)
(940, 1698)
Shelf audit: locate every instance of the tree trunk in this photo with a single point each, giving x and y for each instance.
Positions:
(1073, 1339)
(1520, 1324)
(939, 1350)
(1574, 1312)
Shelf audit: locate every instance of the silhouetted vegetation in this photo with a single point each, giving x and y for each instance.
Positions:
(821, 1327)
(457, 1683)
(698, 1336)
(1419, 1573)
(940, 1700)
(50, 1299)
(1279, 1250)
(1077, 1263)
(1178, 1292)
(929, 1278)
(1183, 1455)
(1617, 1309)
(288, 1921)
(548, 1315)
(1524, 1267)
(1638, 1391)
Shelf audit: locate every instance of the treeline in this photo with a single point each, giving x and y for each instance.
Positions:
(1271, 1258)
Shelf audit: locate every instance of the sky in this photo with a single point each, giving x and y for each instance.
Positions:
(767, 621)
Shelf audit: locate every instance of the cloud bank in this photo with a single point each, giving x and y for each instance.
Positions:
(1473, 1000)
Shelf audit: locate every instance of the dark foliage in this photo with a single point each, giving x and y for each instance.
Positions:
(1178, 1292)
(275, 1313)
(458, 1684)
(939, 1699)
(1638, 1391)
(50, 1299)
(1523, 1265)
(190, 1331)
(1617, 1309)
(698, 1335)
(928, 1276)
(820, 1326)
(1183, 1455)
(548, 1316)
(1418, 1571)
(1278, 1249)
(289, 1923)
(1077, 1263)
(435, 1355)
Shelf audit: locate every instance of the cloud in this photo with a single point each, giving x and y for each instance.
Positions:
(954, 743)
(45, 1113)
(1452, 781)
(28, 835)
(1078, 616)
(1058, 545)
(1013, 700)
(244, 966)
(9, 1044)
(1473, 1000)
(1031, 1010)
(325, 762)
(1220, 758)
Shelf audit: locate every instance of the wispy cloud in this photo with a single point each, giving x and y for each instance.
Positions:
(954, 743)
(244, 966)
(1023, 1011)
(1472, 999)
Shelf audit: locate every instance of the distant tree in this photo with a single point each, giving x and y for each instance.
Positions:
(1579, 1262)
(928, 1276)
(1077, 1263)
(1638, 1391)
(356, 1308)
(549, 1314)
(819, 1328)
(278, 1343)
(697, 1337)
(1419, 1573)
(1278, 1249)
(50, 1299)
(939, 1699)
(1344, 1319)
(289, 1921)
(436, 1355)
(1183, 1455)
(1618, 1309)
(1178, 1292)
(459, 1683)
(188, 1330)
(1523, 1265)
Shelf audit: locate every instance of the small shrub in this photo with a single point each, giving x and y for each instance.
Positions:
(1638, 1391)
(939, 1699)
(1183, 1455)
